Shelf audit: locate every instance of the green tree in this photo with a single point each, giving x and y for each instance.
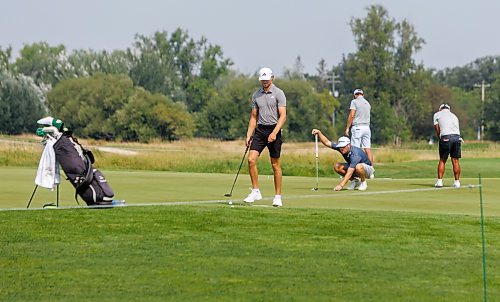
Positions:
(465, 77)
(296, 72)
(20, 104)
(88, 62)
(492, 111)
(45, 64)
(147, 116)
(177, 66)
(87, 104)
(201, 88)
(383, 66)
(227, 112)
(5, 56)
(306, 109)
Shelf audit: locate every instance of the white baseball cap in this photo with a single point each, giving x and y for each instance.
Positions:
(444, 106)
(358, 91)
(265, 74)
(343, 141)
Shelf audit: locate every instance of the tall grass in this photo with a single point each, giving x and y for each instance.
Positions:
(207, 156)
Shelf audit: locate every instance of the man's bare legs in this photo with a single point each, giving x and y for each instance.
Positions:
(253, 156)
(369, 153)
(278, 175)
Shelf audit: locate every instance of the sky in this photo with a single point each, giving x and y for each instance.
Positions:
(255, 34)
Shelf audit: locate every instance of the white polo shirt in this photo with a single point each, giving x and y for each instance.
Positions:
(448, 122)
(363, 108)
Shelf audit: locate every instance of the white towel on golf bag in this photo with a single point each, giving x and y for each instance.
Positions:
(48, 174)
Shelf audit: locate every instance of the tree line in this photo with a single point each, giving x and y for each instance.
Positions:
(169, 86)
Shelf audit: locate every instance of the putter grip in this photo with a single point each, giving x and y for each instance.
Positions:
(316, 141)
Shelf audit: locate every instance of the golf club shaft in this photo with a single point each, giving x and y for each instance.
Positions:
(317, 158)
(241, 164)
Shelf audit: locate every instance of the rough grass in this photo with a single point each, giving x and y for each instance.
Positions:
(209, 156)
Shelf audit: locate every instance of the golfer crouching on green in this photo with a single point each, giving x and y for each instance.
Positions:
(357, 167)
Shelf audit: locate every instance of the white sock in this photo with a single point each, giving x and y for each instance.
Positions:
(277, 196)
(256, 190)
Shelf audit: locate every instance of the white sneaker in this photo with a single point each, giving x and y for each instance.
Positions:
(439, 183)
(456, 184)
(363, 186)
(372, 176)
(253, 196)
(277, 202)
(354, 184)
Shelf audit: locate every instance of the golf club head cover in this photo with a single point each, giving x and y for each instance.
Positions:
(50, 121)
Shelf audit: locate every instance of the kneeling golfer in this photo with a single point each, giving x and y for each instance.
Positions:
(357, 167)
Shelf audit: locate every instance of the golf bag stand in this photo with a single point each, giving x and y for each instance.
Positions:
(57, 197)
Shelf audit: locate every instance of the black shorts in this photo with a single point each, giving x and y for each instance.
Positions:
(450, 145)
(259, 141)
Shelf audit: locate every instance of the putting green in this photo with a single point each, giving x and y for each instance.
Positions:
(144, 187)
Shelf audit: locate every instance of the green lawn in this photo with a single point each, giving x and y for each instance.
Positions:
(245, 253)
(402, 240)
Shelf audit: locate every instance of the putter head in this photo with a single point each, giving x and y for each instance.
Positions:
(228, 195)
(314, 189)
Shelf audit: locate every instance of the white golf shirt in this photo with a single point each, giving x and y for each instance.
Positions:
(448, 122)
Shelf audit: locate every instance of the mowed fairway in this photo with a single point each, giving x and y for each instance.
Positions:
(402, 240)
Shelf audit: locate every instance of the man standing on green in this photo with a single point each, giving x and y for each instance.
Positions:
(450, 143)
(267, 117)
(359, 119)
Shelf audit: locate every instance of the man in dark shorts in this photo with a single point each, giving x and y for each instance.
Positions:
(450, 143)
(267, 117)
(357, 168)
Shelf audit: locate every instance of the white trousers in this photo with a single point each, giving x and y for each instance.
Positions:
(361, 136)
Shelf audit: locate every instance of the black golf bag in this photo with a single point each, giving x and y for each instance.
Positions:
(76, 163)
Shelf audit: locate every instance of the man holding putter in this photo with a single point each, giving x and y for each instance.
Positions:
(357, 167)
(450, 143)
(267, 117)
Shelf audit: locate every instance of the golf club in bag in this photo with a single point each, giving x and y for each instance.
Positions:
(238, 173)
(76, 163)
(317, 158)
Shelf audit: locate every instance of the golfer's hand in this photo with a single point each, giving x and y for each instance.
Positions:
(338, 188)
(347, 132)
(248, 141)
(315, 131)
(271, 138)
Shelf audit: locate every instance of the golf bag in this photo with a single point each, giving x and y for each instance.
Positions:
(76, 163)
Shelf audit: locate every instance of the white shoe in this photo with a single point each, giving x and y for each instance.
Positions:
(253, 196)
(456, 184)
(277, 202)
(439, 183)
(372, 176)
(363, 186)
(354, 184)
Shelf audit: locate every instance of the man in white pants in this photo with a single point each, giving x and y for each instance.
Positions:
(359, 119)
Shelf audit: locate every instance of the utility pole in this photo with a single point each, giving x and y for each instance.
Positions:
(482, 86)
(334, 92)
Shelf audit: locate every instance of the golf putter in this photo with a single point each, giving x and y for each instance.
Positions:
(238, 173)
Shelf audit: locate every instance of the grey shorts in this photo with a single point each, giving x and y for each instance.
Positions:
(368, 169)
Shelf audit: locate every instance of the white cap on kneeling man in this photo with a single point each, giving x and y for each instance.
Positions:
(343, 141)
